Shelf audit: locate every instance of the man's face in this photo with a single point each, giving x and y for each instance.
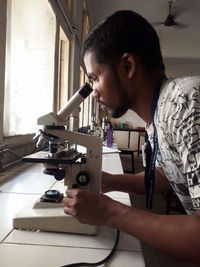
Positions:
(107, 86)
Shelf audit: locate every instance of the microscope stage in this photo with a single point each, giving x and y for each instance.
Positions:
(65, 157)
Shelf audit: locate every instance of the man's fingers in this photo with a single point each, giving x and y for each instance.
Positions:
(68, 201)
(72, 192)
(69, 193)
(68, 210)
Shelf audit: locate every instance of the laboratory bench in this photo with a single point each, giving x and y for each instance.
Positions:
(50, 249)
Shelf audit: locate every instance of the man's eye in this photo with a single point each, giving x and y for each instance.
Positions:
(90, 82)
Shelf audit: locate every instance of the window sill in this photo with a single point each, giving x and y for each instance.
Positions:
(10, 172)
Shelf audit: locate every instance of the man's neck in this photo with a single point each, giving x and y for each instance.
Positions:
(146, 93)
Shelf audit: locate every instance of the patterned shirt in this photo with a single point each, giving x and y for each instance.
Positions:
(177, 120)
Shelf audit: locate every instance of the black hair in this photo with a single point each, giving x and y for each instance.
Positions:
(125, 31)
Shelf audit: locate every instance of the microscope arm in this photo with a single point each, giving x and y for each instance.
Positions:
(93, 145)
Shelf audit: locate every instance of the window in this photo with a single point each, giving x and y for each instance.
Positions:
(86, 22)
(29, 65)
(35, 60)
(40, 61)
(63, 94)
(69, 4)
(87, 107)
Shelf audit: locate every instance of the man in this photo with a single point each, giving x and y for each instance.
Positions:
(124, 63)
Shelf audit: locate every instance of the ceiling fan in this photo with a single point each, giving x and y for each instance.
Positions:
(171, 17)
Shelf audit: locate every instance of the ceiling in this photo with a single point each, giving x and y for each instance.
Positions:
(188, 11)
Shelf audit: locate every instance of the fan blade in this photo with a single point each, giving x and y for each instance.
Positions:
(179, 11)
(176, 25)
(171, 19)
(180, 25)
(154, 24)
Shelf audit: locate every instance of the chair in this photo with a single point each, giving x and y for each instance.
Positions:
(128, 150)
(140, 134)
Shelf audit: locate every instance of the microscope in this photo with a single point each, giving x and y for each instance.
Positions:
(73, 157)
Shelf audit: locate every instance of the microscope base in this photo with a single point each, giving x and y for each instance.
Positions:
(50, 217)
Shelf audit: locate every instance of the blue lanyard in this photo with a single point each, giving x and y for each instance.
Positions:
(151, 153)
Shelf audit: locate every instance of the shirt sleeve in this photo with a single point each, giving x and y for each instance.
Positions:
(187, 138)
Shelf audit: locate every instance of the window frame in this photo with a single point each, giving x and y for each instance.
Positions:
(33, 44)
(89, 108)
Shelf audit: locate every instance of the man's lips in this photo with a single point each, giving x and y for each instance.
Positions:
(104, 106)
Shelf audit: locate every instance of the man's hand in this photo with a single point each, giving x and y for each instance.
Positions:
(87, 207)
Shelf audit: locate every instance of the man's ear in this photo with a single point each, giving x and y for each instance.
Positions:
(129, 64)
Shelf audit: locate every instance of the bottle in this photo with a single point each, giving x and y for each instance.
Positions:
(95, 129)
(103, 126)
(109, 134)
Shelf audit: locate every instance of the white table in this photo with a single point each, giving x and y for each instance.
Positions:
(46, 249)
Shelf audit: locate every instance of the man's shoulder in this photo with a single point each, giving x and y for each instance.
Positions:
(179, 98)
(179, 90)
(183, 84)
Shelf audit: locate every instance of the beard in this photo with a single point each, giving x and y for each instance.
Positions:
(124, 100)
(123, 105)
(119, 111)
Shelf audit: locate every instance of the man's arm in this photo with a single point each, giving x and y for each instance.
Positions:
(133, 183)
(177, 235)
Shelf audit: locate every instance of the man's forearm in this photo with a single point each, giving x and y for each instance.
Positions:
(130, 183)
(134, 183)
(177, 235)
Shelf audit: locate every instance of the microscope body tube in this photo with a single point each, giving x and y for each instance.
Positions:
(75, 101)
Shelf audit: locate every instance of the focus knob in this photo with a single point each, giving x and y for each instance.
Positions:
(82, 178)
(59, 174)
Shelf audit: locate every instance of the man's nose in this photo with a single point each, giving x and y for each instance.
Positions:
(95, 93)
